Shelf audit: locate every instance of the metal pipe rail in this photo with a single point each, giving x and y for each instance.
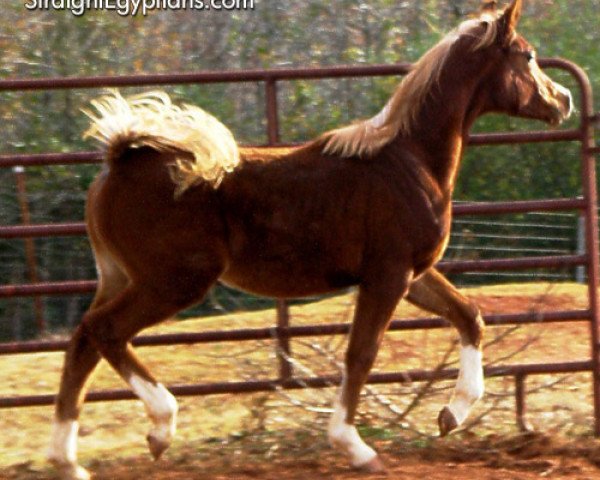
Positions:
(255, 334)
(311, 382)
(456, 266)
(461, 209)
(479, 139)
(282, 333)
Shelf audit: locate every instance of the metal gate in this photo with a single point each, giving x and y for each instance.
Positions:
(282, 331)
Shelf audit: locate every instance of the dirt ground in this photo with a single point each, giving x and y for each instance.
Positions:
(489, 452)
(519, 457)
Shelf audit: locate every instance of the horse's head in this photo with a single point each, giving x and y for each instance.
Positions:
(516, 83)
(482, 66)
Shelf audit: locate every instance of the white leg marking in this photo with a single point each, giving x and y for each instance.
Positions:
(470, 385)
(160, 405)
(345, 436)
(63, 449)
(63, 441)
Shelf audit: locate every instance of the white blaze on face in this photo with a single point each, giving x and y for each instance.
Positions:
(566, 92)
(160, 405)
(470, 384)
(548, 88)
(345, 436)
(63, 442)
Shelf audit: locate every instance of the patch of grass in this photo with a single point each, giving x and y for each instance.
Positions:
(376, 433)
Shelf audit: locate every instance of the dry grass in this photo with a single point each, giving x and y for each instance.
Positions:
(117, 430)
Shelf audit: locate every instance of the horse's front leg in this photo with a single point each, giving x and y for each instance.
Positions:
(433, 292)
(376, 302)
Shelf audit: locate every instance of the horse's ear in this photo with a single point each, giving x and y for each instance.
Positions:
(489, 6)
(509, 20)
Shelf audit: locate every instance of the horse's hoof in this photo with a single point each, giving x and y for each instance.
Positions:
(372, 466)
(446, 421)
(69, 471)
(157, 446)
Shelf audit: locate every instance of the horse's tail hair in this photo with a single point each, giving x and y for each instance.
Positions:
(152, 120)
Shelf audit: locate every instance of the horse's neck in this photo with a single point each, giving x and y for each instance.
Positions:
(442, 146)
(442, 127)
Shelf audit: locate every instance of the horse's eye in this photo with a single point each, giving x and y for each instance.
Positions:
(530, 55)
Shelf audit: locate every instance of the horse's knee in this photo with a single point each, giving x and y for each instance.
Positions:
(472, 324)
(477, 328)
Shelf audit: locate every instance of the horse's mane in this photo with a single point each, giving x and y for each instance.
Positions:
(367, 137)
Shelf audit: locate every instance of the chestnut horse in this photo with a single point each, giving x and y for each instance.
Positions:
(178, 207)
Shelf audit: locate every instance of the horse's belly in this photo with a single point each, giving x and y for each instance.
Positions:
(287, 280)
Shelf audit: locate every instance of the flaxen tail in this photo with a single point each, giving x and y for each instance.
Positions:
(152, 120)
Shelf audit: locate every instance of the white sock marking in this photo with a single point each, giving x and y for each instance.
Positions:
(470, 385)
(160, 405)
(63, 442)
(345, 436)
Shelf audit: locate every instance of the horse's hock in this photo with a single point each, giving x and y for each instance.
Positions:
(284, 330)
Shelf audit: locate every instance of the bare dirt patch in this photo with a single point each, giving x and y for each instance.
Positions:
(518, 457)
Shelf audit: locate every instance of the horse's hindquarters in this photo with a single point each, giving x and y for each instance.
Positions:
(133, 214)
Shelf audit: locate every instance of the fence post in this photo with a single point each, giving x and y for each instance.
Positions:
(520, 403)
(29, 246)
(581, 248)
(590, 193)
(283, 315)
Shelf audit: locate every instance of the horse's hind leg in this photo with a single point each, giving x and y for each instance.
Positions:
(81, 359)
(142, 305)
(375, 305)
(434, 293)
